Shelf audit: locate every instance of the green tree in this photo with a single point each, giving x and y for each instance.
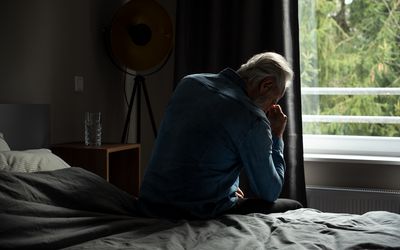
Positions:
(350, 44)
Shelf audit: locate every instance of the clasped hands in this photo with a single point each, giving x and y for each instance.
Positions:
(239, 193)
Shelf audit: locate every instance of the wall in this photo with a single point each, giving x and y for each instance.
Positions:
(46, 43)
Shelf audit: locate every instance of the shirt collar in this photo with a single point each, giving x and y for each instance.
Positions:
(234, 77)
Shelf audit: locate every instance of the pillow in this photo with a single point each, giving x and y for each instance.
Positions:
(32, 160)
(3, 144)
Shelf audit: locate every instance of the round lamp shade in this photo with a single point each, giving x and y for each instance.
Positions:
(141, 35)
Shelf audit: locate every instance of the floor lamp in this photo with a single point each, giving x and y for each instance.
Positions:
(141, 40)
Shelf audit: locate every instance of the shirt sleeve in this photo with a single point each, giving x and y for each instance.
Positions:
(263, 161)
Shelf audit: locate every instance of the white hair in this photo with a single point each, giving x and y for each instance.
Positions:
(266, 64)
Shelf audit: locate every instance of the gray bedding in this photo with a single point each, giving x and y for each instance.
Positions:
(75, 209)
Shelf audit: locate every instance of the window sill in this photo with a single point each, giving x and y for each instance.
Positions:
(352, 145)
(355, 159)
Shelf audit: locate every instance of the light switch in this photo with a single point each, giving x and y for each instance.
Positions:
(79, 83)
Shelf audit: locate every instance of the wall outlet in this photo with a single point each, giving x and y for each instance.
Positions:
(79, 83)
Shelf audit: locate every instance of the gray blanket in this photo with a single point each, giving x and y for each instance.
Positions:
(75, 209)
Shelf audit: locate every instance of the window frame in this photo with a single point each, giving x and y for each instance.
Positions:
(349, 147)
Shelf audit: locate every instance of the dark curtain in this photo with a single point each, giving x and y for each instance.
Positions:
(214, 34)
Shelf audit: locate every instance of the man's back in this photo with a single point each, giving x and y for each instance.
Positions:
(196, 161)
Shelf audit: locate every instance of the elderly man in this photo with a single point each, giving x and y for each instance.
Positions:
(215, 126)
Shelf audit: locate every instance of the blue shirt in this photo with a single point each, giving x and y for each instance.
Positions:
(210, 132)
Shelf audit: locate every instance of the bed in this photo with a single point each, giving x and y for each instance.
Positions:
(47, 204)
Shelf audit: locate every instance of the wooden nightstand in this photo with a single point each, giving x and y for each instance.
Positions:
(119, 164)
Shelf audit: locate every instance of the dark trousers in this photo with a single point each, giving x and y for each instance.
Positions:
(255, 205)
(244, 206)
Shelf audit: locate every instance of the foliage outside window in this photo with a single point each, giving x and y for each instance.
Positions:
(351, 44)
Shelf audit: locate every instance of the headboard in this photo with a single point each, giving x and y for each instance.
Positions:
(25, 126)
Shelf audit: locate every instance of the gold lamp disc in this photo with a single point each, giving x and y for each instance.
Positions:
(141, 35)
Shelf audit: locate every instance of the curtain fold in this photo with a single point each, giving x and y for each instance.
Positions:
(212, 35)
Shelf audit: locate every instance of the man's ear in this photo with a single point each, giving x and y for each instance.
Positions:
(266, 84)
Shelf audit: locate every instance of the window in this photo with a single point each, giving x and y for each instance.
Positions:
(350, 74)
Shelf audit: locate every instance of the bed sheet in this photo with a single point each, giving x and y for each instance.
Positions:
(72, 208)
(299, 229)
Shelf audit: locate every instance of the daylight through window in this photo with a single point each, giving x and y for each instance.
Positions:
(350, 67)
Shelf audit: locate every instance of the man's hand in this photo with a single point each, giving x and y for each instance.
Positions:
(239, 193)
(277, 119)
